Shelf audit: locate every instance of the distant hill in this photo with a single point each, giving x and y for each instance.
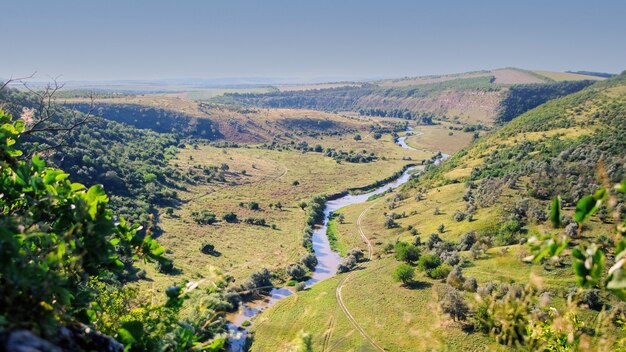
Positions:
(481, 97)
(591, 73)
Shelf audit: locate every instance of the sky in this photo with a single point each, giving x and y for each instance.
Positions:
(307, 40)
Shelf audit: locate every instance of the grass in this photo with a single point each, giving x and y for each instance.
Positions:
(405, 319)
(331, 233)
(268, 179)
(566, 76)
(439, 138)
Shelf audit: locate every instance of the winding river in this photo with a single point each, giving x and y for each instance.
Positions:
(327, 259)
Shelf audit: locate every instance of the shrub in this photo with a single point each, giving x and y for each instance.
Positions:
(407, 252)
(296, 271)
(455, 278)
(203, 217)
(357, 253)
(433, 240)
(467, 240)
(347, 264)
(428, 262)
(470, 285)
(452, 302)
(310, 261)
(458, 216)
(255, 221)
(390, 223)
(207, 248)
(300, 286)
(441, 228)
(230, 217)
(254, 206)
(404, 273)
(258, 281)
(440, 272)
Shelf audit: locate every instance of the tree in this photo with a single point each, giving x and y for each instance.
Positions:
(357, 137)
(470, 285)
(433, 240)
(357, 253)
(455, 278)
(58, 239)
(390, 223)
(296, 271)
(453, 303)
(406, 252)
(441, 228)
(404, 273)
(309, 260)
(428, 262)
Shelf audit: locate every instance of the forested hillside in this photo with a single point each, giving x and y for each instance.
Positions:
(131, 163)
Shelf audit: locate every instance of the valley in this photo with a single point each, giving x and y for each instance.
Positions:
(269, 207)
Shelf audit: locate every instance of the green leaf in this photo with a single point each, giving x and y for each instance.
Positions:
(585, 207)
(600, 194)
(38, 163)
(556, 217)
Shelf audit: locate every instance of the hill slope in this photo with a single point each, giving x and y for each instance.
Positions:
(470, 98)
(473, 211)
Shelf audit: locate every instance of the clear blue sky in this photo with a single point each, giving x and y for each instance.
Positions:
(150, 39)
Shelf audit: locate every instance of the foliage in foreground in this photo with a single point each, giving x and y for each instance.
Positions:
(62, 256)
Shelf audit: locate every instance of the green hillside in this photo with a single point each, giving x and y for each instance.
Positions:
(475, 214)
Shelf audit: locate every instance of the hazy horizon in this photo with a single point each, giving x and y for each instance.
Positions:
(308, 42)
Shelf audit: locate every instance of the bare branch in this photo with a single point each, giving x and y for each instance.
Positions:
(19, 79)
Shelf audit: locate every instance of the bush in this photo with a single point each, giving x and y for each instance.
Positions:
(255, 221)
(470, 285)
(300, 286)
(297, 271)
(428, 262)
(390, 223)
(467, 240)
(357, 253)
(310, 261)
(404, 273)
(441, 228)
(230, 217)
(433, 240)
(254, 206)
(455, 278)
(207, 248)
(452, 302)
(440, 272)
(258, 281)
(347, 264)
(407, 252)
(203, 217)
(458, 216)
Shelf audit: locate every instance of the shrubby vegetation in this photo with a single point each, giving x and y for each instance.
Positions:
(156, 119)
(65, 258)
(131, 164)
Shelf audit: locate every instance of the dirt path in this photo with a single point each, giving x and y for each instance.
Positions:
(351, 274)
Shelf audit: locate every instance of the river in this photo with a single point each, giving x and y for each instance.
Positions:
(327, 259)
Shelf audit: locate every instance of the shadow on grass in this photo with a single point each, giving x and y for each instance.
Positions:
(418, 285)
